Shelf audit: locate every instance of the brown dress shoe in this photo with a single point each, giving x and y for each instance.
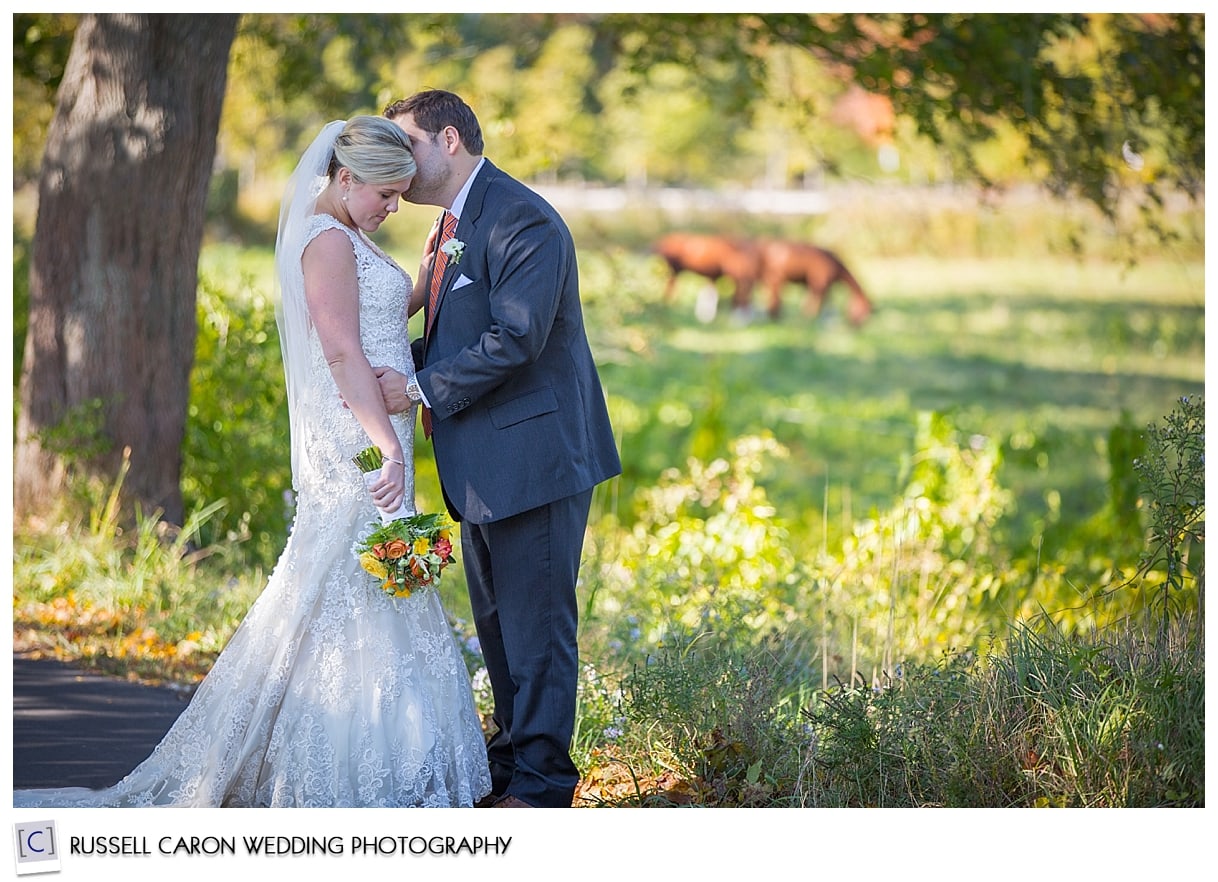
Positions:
(487, 801)
(509, 801)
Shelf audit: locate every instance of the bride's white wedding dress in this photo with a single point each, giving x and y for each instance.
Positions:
(330, 693)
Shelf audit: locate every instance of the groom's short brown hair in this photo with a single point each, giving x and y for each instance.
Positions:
(434, 109)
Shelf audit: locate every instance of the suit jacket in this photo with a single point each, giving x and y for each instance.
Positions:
(518, 413)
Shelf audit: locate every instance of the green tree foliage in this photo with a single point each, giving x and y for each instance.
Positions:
(291, 74)
(558, 81)
(1106, 103)
(1107, 107)
(788, 130)
(41, 42)
(672, 132)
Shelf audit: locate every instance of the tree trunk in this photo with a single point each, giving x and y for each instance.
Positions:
(114, 268)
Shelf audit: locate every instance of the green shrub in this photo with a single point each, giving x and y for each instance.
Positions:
(926, 574)
(237, 448)
(1172, 470)
(718, 715)
(706, 552)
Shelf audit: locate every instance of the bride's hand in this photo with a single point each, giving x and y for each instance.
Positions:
(429, 247)
(389, 491)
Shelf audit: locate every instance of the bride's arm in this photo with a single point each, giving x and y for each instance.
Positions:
(332, 295)
(417, 294)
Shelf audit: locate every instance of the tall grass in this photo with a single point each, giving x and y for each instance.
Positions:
(1041, 719)
(138, 598)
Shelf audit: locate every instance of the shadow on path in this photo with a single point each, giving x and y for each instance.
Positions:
(73, 728)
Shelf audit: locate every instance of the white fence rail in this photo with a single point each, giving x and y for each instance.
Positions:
(673, 200)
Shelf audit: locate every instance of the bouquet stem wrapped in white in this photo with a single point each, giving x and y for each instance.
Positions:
(370, 461)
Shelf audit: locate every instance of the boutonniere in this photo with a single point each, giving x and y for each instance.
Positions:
(454, 248)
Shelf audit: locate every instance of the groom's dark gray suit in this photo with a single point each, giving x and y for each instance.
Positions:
(521, 435)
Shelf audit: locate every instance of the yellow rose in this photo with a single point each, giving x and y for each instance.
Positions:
(368, 561)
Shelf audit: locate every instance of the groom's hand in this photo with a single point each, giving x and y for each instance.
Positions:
(393, 389)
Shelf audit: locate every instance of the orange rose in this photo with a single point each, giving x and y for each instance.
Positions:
(419, 568)
(396, 548)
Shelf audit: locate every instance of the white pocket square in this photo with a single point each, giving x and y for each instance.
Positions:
(462, 281)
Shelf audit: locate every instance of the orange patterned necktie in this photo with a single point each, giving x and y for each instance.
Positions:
(437, 272)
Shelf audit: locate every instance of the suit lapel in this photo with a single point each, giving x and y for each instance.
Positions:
(468, 222)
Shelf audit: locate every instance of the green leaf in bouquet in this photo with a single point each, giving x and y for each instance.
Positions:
(428, 525)
(407, 553)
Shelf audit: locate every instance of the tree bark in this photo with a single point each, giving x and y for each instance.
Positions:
(114, 269)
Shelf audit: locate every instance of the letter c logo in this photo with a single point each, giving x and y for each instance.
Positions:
(29, 841)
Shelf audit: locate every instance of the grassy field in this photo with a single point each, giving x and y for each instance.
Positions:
(1046, 355)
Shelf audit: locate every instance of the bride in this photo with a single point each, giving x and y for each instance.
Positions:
(330, 692)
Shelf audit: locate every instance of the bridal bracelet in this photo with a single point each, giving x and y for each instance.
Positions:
(398, 461)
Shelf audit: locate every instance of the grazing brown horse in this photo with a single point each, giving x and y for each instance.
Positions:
(816, 268)
(714, 257)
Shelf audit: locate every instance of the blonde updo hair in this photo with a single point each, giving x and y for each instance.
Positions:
(374, 149)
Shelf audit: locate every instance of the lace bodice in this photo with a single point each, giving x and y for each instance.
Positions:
(332, 433)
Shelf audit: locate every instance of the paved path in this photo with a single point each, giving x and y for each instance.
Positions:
(74, 728)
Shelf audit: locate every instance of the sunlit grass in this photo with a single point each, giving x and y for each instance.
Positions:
(1052, 350)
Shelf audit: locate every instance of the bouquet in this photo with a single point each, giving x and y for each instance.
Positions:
(407, 553)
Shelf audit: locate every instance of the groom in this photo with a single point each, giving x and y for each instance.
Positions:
(520, 431)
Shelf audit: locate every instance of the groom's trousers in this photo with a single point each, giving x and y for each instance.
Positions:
(522, 574)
